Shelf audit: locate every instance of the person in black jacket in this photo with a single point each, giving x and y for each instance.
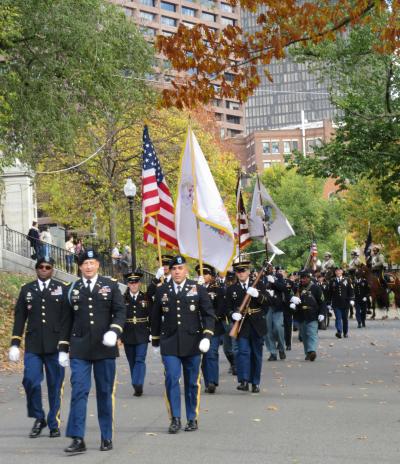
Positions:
(309, 309)
(39, 307)
(136, 334)
(93, 319)
(34, 240)
(182, 324)
(216, 292)
(341, 296)
(251, 336)
(361, 296)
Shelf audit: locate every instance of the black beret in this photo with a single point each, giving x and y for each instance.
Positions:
(46, 260)
(177, 260)
(87, 254)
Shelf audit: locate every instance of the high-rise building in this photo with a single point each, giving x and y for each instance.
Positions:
(155, 17)
(280, 103)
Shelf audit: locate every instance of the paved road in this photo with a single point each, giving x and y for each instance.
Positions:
(343, 408)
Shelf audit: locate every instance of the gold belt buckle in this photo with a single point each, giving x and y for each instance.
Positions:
(134, 320)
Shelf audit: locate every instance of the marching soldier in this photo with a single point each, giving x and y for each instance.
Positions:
(182, 325)
(251, 336)
(341, 297)
(136, 334)
(309, 310)
(162, 275)
(93, 319)
(210, 363)
(321, 282)
(229, 344)
(39, 306)
(290, 288)
(361, 295)
(328, 264)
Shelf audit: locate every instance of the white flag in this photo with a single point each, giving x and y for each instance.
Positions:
(198, 198)
(264, 208)
(344, 256)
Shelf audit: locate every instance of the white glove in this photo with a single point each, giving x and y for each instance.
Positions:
(236, 316)
(156, 349)
(200, 280)
(63, 359)
(271, 292)
(150, 338)
(295, 300)
(271, 279)
(329, 307)
(110, 338)
(13, 354)
(365, 298)
(204, 345)
(292, 306)
(253, 292)
(321, 317)
(160, 273)
(351, 302)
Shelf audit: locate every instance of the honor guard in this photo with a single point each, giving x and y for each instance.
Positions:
(136, 332)
(39, 306)
(309, 309)
(93, 319)
(251, 336)
(182, 325)
(341, 297)
(162, 275)
(290, 288)
(210, 363)
(361, 295)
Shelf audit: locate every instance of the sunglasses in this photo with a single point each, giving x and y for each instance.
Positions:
(45, 267)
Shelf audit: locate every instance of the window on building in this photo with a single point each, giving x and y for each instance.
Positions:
(148, 2)
(216, 102)
(233, 119)
(218, 116)
(168, 6)
(226, 7)
(275, 147)
(128, 12)
(188, 24)
(231, 105)
(188, 11)
(266, 148)
(233, 132)
(167, 33)
(227, 21)
(207, 3)
(208, 16)
(147, 16)
(313, 143)
(267, 164)
(168, 21)
(149, 31)
(229, 77)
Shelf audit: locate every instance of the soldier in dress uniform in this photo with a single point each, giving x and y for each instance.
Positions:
(251, 336)
(216, 292)
(290, 288)
(182, 324)
(229, 344)
(136, 334)
(162, 275)
(328, 264)
(341, 297)
(361, 295)
(93, 319)
(39, 306)
(309, 309)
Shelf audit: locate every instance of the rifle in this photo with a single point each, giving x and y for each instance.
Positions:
(234, 332)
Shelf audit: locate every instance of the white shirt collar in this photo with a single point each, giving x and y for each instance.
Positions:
(93, 281)
(182, 284)
(133, 295)
(245, 283)
(41, 283)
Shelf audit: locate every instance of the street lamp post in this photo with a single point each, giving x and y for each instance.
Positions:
(130, 192)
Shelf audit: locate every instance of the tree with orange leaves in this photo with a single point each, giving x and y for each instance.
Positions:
(210, 54)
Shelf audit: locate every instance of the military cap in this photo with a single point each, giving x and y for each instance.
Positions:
(339, 267)
(133, 277)
(305, 273)
(355, 253)
(328, 254)
(207, 269)
(241, 266)
(177, 260)
(45, 260)
(87, 254)
(376, 247)
(165, 259)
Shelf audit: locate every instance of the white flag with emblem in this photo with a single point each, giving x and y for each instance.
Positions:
(203, 227)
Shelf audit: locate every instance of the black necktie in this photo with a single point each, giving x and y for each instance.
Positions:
(178, 290)
(88, 282)
(43, 286)
(244, 287)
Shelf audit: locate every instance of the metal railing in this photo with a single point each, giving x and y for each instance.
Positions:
(31, 248)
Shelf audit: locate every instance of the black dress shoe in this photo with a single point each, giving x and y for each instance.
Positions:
(272, 357)
(255, 388)
(175, 425)
(345, 335)
(138, 390)
(307, 358)
(37, 428)
(106, 445)
(358, 326)
(77, 446)
(338, 335)
(234, 370)
(211, 388)
(54, 433)
(243, 386)
(191, 426)
(282, 355)
(312, 355)
(289, 348)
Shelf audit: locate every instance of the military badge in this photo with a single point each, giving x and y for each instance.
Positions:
(57, 291)
(164, 298)
(212, 295)
(234, 295)
(144, 304)
(104, 290)
(28, 298)
(76, 307)
(192, 291)
(192, 307)
(29, 306)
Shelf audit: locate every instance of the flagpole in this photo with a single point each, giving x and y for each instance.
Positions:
(158, 243)
(263, 222)
(238, 193)
(195, 200)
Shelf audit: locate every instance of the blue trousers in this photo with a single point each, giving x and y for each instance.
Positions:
(361, 311)
(104, 376)
(33, 377)
(210, 363)
(249, 358)
(309, 335)
(229, 343)
(341, 320)
(191, 377)
(275, 331)
(136, 356)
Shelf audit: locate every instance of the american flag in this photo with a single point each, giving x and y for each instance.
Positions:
(242, 221)
(157, 204)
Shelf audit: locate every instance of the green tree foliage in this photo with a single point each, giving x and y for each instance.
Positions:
(311, 216)
(70, 64)
(365, 87)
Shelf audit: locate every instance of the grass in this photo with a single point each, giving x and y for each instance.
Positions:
(10, 285)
